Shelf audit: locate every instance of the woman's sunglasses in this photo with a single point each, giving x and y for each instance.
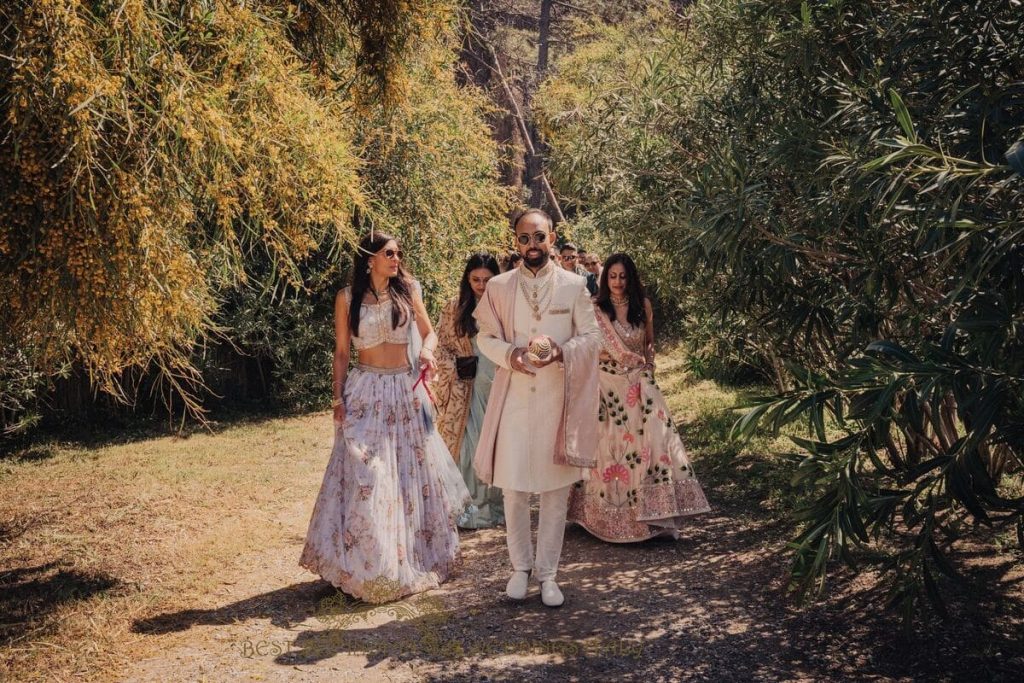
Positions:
(394, 253)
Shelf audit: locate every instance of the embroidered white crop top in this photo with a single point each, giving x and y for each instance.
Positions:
(375, 325)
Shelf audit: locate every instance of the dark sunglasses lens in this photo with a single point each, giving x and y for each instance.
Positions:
(538, 237)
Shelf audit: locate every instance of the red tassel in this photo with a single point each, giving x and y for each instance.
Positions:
(423, 379)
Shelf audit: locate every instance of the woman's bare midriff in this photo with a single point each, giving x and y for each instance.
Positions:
(387, 356)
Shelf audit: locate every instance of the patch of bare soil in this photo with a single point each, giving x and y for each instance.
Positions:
(708, 606)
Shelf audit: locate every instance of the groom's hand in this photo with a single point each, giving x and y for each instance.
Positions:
(520, 364)
(555, 355)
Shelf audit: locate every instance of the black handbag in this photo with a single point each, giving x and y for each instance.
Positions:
(465, 367)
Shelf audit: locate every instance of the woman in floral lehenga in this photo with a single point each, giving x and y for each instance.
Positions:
(644, 484)
(464, 377)
(383, 524)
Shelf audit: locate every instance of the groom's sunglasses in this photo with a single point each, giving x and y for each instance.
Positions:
(537, 237)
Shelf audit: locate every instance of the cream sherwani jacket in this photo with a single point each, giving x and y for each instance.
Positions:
(539, 432)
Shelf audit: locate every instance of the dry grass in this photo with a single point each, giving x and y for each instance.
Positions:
(98, 539)
(93, 539)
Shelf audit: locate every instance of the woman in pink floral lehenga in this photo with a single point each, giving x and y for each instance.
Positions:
(643, 484)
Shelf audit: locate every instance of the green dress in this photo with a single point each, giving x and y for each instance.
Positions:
(486, 508)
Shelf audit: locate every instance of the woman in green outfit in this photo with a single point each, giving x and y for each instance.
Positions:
(462, 386)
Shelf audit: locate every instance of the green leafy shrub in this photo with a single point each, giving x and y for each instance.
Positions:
(838, 185)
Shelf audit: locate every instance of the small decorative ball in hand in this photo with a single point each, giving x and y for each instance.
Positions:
(539, 349)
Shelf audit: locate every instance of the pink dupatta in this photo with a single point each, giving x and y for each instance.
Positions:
(613, 345)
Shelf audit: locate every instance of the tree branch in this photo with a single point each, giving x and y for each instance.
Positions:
(521, 120)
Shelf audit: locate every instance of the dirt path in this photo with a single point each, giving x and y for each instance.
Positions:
(175, 559)
(705, 607)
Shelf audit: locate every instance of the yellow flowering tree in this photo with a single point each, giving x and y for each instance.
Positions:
(155, 156)
(430, 172)
(429, 177)
(145, 155)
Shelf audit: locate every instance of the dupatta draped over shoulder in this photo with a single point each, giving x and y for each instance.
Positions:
(576, 441)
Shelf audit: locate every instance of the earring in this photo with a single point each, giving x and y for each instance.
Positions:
(369, 268)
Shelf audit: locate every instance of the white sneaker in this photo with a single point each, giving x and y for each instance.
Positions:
(517, 584)
(550, 594)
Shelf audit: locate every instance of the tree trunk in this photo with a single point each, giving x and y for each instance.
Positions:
(544, 35)
(778, 372)
(535, 161)
(480, 64)
(522, 162)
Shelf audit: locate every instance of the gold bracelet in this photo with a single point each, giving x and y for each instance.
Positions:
(336, 402)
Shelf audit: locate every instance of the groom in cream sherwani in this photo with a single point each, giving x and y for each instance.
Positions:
(540, 430)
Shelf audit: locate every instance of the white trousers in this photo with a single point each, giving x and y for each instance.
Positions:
(550, 531)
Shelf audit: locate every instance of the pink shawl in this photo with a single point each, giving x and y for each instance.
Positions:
(633, 363)
(614, 346)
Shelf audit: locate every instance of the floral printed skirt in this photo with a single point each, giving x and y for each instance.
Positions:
(644, 484)
(383, 524)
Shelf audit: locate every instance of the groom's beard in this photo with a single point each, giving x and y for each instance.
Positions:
(536, 262)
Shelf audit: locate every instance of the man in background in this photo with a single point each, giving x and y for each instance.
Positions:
(591, 263)
(569, 255)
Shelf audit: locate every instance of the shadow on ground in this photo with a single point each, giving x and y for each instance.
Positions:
(29, 596)
(709, 606)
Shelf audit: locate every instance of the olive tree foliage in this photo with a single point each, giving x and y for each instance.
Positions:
(833, 190)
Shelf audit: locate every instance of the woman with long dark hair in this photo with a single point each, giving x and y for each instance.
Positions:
(643, 485)
(383, 524)
(463, 385)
